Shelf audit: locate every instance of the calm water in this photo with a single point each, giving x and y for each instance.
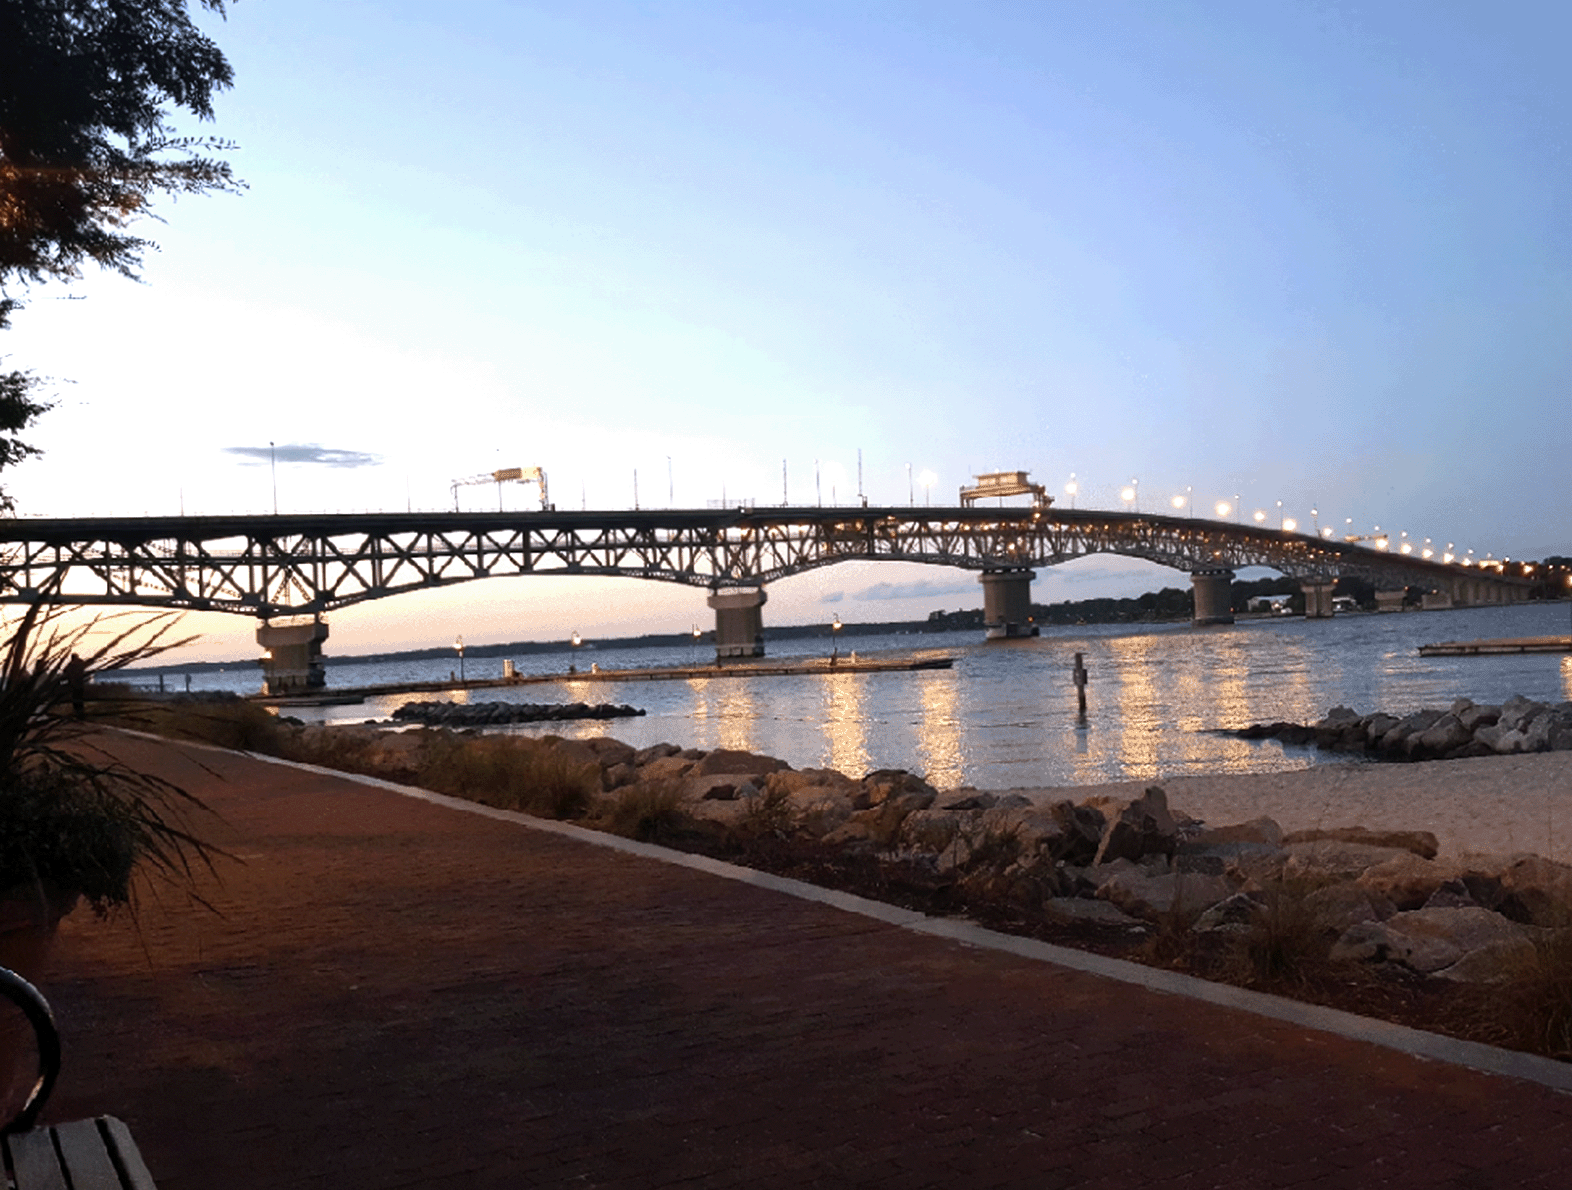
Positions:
(1005, 714)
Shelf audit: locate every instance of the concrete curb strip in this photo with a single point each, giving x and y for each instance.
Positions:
(1416, 1043)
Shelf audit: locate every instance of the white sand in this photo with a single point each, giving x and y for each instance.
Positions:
(1488, 803)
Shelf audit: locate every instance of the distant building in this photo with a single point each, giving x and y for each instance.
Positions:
(1277, 604)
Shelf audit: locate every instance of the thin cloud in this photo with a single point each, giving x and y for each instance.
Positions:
(918, 590)
(294, 452)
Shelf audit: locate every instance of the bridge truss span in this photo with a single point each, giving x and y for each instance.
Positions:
(277, 566)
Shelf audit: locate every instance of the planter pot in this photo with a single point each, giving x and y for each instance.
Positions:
(30, 917)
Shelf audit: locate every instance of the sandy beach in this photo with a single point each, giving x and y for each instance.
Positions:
(1484, 804)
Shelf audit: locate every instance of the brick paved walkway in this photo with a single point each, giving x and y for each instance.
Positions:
(400, 994)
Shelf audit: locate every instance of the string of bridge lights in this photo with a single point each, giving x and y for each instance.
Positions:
(1130, 494)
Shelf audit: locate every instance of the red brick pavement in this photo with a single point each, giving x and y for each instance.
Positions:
(401, 994)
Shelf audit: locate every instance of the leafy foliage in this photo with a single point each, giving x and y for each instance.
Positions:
(71, 813)
(86, 87)
(85, 137)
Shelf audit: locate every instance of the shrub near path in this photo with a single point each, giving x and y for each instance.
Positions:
(1368, 921)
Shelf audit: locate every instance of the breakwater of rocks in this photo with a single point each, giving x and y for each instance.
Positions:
(1464, 729)
(496, 714)
(1099, 867)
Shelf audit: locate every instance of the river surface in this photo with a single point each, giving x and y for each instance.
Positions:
(1005, 715)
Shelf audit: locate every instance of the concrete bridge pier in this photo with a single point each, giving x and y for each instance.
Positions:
(739, 623)
(1318, 600)
(1007, 603)
(1390, 601)
(292, 663)
(1214, 591)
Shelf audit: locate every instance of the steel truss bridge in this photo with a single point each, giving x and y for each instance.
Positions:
(308, 565)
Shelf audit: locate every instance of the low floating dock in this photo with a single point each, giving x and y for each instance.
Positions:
(1510, 644)
(350, 695)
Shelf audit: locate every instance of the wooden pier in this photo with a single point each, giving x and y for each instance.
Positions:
(1503, 645)
(821, 666)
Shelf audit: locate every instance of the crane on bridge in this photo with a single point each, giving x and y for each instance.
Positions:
(535, 475)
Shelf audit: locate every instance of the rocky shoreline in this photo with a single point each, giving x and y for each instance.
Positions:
(1466, 729)
(1127, 868)
(497, 714)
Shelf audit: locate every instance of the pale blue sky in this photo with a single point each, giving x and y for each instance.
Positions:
(1301, 252)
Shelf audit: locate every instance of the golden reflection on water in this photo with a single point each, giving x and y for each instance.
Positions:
(700, 714)
(1566, 677)
(1137, 705)
(939, 732)
(735, 710)
(846, 723)
(1227, 678)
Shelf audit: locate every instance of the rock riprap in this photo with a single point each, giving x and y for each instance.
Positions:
(1464, 729)
(1135, 867)
(493, 714)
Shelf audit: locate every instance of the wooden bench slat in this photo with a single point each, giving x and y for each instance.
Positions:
(87, 1161)
(35, 1162)
(137, 1177)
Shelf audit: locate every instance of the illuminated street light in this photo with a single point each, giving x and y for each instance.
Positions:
(1279, 514)
(1290, 525)
(1071, 489)
(1260, 517)
(459, 645)
(1223, 509)
(927, 479)
(1178, 502)
(1127, 494)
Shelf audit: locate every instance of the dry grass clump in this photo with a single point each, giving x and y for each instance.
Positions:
(1530, 1006)
(650, 812)
(227, 723)
(511, 773)
(767, 815)
(1284, 940)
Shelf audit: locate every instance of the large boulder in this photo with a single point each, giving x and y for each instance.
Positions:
(654, 752)
(673, 767)
(1421, 843)
(1329, 860)
(732, 761)
(1407, 880)
(1444, 735)
(1542, 887)
(1259, 832)
(1433, 940)
(1152, 896)
(1475, 716)
(1146, 827)
(1340, 907)
(609, 752)
(1089, 911)
(884, 784)
(932, 831)
(788, 781)
(1517, 711)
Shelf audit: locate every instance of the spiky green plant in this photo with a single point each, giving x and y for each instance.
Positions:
(72, 814)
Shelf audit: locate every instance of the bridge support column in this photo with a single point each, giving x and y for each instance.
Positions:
(1007, 603)
(1318, 600)
(293, 661)
(739, 623)
(1390, 601)
(1436, 600)
(1214, 591)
